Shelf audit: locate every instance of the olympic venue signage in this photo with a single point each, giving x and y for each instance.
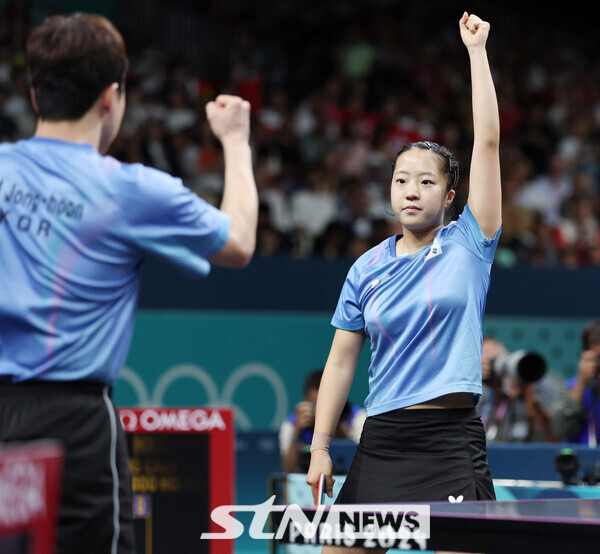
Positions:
(170, 420)
(182, 468)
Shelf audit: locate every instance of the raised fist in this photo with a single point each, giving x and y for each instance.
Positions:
(229, 117)
(473, 30)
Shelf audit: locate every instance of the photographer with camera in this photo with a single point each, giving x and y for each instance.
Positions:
(518, 393)
(576, 415)
(296, 431)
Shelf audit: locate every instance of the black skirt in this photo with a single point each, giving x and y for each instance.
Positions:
(420, 455)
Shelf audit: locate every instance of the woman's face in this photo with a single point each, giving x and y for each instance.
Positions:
(418, 191)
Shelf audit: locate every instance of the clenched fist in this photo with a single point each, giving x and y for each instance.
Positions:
(229, 118)
(473, 30)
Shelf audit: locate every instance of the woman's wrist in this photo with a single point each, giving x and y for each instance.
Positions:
(476, 50)
(320, 441)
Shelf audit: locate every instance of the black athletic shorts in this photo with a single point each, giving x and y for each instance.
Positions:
(95, 515)
(420, 455)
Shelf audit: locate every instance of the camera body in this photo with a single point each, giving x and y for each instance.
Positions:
(521, 365)
(567, 464)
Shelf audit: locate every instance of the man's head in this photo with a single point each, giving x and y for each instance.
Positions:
(72, 60)
(492, 348)
(590, 336)
(311, 385)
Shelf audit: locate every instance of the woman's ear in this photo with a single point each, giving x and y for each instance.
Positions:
(450, 197)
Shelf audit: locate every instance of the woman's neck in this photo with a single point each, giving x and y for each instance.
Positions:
(412, 241)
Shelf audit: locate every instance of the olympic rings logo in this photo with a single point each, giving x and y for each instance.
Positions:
(215, 398)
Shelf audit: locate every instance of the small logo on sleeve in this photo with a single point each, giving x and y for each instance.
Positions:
(378, 281)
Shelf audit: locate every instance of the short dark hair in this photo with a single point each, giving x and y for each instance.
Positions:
(448, 162)
(313, 380)
(71, 60)
(590, 335)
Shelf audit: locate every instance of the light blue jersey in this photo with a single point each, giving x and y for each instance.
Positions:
(422, 314)
(75, 227)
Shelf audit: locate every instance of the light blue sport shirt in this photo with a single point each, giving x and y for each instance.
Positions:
(422, 314)
(75, 228)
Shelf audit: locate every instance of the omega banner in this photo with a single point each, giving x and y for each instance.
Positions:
(182, 467)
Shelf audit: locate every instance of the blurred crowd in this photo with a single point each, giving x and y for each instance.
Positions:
(336, 95)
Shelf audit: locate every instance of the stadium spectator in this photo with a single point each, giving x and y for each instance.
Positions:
(512, 410)
(296, 431)
(576, 415)
(349, 102)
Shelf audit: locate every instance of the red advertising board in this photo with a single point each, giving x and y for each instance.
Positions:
(30, 485)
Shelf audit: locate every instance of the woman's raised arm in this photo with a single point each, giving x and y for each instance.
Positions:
(485, 194)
